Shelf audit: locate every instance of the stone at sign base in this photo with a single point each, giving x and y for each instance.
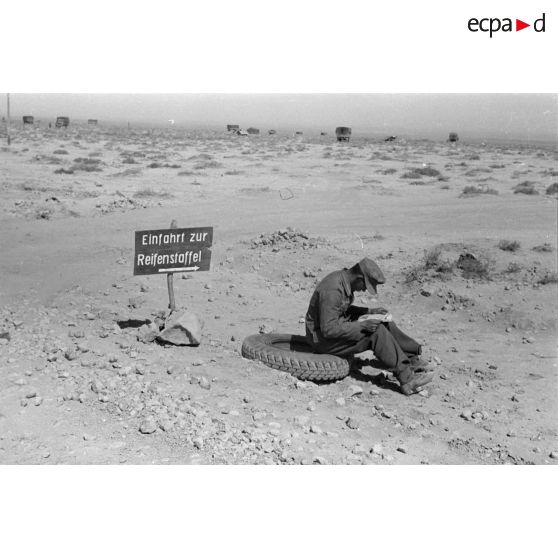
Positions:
(182, 329)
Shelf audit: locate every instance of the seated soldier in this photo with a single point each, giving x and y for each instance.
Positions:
(333, 326)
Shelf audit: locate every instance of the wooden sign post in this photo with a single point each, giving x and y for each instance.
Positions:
(172, 250)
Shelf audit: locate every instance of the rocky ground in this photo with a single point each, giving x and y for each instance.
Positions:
(466, 236)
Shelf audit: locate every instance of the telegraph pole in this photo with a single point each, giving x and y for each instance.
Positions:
(8, 121)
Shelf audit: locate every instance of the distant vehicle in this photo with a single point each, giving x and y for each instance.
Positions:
(323, 133)
(453, 137)
(28, 120)
(233, 127)
(298, 133)
(240, 132)
(92, 121)
(62, 122)
(253, 131)
(343, 133)
(271, 132)
(391, 138)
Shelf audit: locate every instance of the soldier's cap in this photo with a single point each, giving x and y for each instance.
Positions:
(372, 274)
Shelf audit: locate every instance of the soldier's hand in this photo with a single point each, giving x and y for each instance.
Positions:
(370, 326)
(378, 311)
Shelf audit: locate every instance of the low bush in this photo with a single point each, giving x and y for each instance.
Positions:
(149, 192)
(549, 278)
(552, 189)
(476, 190)
(526, 187)
(60, 152)
(509, 245)
(513, 267)
(546, 247)
(419, 172)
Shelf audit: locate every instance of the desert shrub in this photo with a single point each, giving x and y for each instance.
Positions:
(509, 245)
(477, 170)
(497, 166)
(50, 160)
(548, 278)
(419, 172)
(234, 172)
(546, 247)
(386, 171)
(432, 257)
(200, 157)
(64, 171)
(208, 165)
(474, 267)
(513, 267)
(473, 157)
(431, 264)
(60, 152)
(552, 189)
(526, 187)
(86, 167)
(476, 190)
(129, 161)
(149, 192)
(87, 160)
(186, 173)
(154, 165)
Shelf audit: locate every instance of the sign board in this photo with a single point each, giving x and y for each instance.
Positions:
(173, 250)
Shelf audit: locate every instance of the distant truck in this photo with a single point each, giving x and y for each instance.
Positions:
(28, 120)
(271, 132)
(233, 127)
(62, 122)
(343, 133)
(253, 131)
(453, 137)
(92, 121)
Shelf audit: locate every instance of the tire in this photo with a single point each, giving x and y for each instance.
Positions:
(293, 354)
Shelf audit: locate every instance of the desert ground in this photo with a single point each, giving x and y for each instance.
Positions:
(465, 234)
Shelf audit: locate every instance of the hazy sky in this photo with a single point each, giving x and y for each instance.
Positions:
(473, 116)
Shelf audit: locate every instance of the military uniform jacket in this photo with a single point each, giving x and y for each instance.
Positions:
(331, 318)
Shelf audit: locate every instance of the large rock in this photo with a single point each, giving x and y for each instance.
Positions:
(182, 329)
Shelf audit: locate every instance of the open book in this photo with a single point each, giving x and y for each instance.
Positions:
(380, 317)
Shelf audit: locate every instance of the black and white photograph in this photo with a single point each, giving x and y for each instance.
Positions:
(298, 239)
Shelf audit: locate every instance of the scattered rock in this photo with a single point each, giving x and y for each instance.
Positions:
(182, 329)
(315, 429)
(354, 390)
(553, 455)
(71, 354)
(352, 423)
(147, 333)
(265, 328)
(302, 420)
(204, 383)
(377, 449)
(148, 426)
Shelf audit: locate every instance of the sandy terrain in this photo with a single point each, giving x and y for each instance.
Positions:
(77, 386)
